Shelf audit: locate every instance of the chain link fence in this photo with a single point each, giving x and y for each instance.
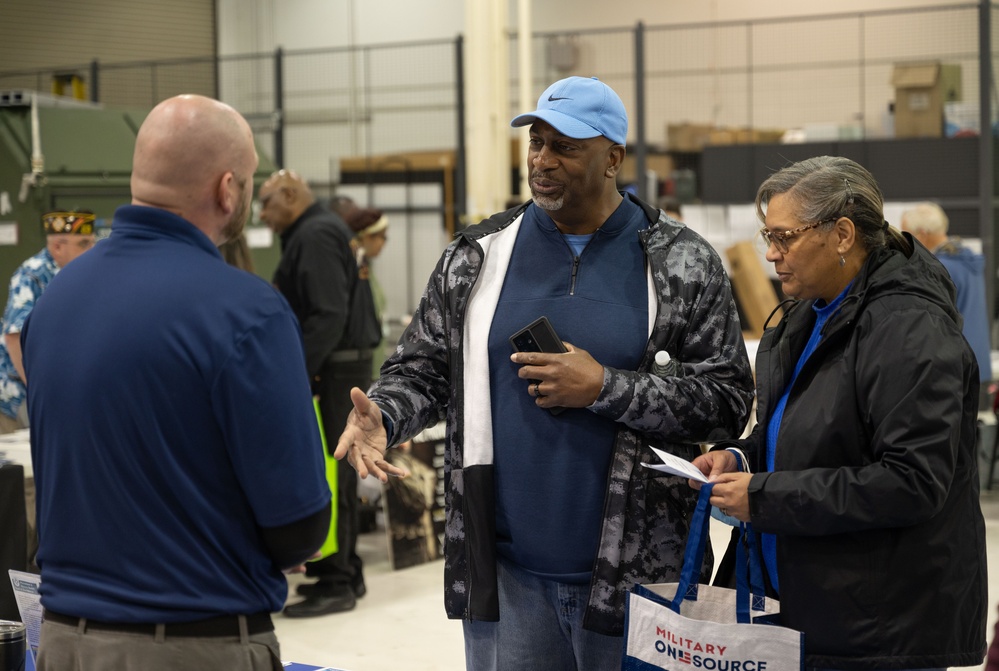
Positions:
(310, 108)
(385, 124)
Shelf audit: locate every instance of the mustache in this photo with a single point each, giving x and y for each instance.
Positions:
(540, 175)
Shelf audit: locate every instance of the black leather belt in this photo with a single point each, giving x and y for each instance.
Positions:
(223, 625)
(346, 355)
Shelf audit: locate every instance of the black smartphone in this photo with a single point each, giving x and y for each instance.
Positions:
(539, 336)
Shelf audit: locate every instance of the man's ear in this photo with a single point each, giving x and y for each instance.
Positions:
(227, 193)
(615, 159)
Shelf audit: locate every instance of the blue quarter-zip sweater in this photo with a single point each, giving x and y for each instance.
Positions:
(598, 301)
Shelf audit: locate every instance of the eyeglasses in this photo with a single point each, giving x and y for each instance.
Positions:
(779, 238)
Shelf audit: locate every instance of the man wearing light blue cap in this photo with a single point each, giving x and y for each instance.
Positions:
(581, 108)
(551, 518)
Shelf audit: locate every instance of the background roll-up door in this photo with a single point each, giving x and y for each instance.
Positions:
(69, 33)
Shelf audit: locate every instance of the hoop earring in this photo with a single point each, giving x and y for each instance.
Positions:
(842, 261)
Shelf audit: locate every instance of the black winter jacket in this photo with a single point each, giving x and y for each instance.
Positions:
(874, 496)
(646, 516)
(316, 275)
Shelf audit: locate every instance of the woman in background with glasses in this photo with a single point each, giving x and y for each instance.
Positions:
(864, 477)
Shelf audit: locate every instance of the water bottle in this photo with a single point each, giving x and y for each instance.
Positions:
(665, 366)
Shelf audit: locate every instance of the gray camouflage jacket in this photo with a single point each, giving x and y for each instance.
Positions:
(647, 513)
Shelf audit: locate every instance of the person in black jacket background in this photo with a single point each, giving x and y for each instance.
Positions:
(864, 477)
(318, 276)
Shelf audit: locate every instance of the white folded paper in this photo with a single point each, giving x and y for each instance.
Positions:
(676, 466)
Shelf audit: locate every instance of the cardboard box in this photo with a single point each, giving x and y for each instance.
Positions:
(745, 136)
(687, 136)
(662, 164)
(921, 89)
(722, 136)
(753, 289)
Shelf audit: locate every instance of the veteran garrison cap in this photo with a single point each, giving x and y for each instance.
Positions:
(78, 223)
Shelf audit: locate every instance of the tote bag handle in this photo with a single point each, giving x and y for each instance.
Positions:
(748, 542)
(693, 555)
(693, 559)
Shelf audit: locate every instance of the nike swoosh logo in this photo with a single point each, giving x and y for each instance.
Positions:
(551, 99)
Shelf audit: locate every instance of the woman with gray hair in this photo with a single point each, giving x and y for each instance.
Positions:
(861, 470)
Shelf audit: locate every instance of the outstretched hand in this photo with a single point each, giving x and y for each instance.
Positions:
(364, 442)
(301, 568)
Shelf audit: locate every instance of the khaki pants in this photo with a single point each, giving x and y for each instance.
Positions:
(66, 647)
(9, 424)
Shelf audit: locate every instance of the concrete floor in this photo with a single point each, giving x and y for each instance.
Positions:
(400, 623)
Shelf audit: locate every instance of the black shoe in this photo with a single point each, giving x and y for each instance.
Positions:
(321, 604)
(312, 588)
(308, 589)
(359, 588)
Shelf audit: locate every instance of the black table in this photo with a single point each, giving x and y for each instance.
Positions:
(13, 535)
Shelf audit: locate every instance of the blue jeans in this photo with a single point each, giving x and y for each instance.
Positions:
(540, 629)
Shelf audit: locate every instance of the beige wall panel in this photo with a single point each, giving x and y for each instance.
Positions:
(56, 33)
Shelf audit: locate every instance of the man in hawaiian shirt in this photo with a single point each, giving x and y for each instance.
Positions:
(67, 234)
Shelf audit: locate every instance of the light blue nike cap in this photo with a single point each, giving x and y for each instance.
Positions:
(580, 108)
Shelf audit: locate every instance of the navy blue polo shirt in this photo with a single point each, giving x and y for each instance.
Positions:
(171, 418)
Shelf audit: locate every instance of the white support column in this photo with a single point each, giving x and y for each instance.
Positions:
(487, 107)
(528, 96)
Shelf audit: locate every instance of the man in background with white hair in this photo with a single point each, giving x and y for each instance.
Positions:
(928, 223)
